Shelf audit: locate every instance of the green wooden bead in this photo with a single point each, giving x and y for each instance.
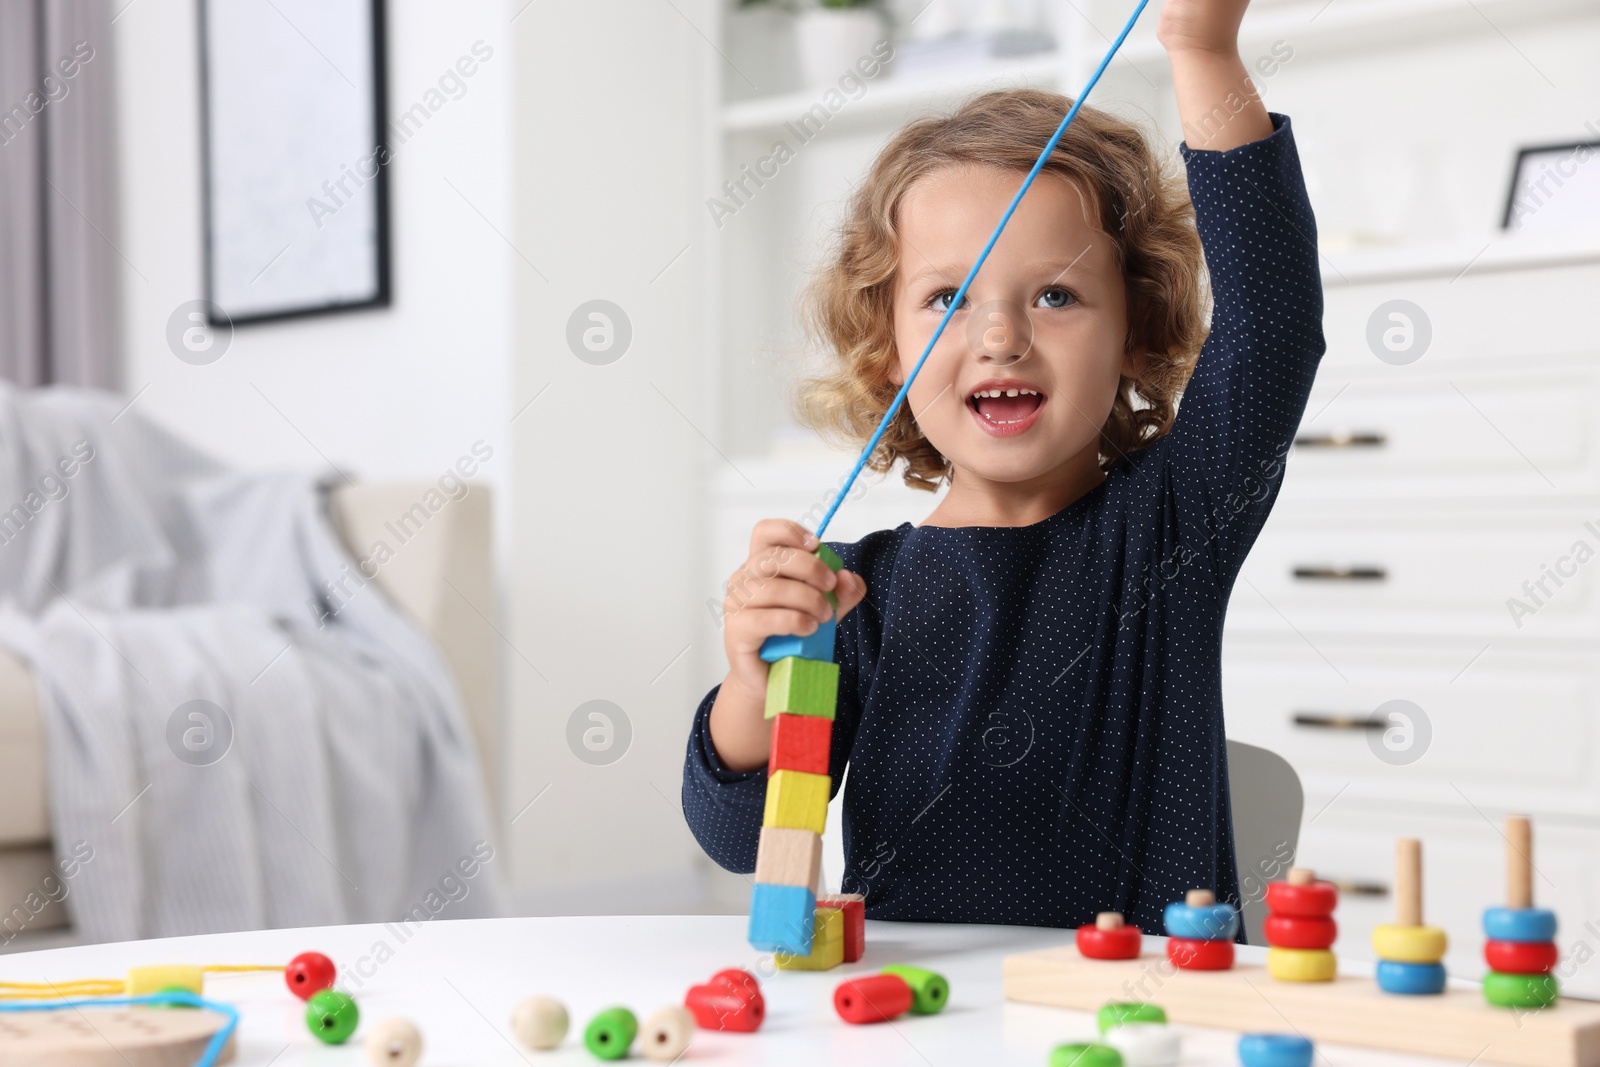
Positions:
(831, 558)
(929, 991)
(1118, 1012)
(1520, 990)
(609, 1034)
(332, 1016)
(1085, 1056)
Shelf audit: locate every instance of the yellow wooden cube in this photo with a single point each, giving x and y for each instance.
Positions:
(827, 945)
(797, 801)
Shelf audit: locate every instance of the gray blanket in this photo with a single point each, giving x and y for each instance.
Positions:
(236, 755)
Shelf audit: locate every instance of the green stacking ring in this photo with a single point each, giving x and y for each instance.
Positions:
(1118, 1012)
(929, 991)
(1520, 990)
(1085, 1056)
(331, 1016)
(609, 1034)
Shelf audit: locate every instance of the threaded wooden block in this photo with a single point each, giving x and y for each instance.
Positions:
(798, 686)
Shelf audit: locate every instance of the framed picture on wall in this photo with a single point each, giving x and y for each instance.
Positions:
(295, 155)
(1555, 188)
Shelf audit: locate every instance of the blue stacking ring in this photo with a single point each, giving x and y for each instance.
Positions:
(1275, 1050)
(1215, 922)
(1519, 924)
(1410, 979)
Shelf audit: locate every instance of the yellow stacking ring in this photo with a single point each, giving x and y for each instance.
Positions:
(1302, 964)
(1409, 944)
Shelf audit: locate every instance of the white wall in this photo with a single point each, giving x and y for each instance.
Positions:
(395, 393)
(610, 131)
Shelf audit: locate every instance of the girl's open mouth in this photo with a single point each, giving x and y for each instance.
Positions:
(1005, 409)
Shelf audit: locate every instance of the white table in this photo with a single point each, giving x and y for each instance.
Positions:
(457, 981)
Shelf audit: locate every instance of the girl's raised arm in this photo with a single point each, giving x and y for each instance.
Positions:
(1217, 102)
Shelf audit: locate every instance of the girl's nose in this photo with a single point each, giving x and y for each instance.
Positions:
(999, 332)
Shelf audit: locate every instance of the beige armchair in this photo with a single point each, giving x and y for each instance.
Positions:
(444, 580)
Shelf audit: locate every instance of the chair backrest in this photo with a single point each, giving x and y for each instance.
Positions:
(1267, 801)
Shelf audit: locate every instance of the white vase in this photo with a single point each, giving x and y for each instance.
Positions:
(830, 41)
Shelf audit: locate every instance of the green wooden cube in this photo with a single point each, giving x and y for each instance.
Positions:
(798, 686)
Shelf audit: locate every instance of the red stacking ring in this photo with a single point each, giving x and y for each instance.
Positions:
(1194, 955)
(1123, 943)
(874, 998)
(1293, 931)
(1521, 957)
(1314, 901)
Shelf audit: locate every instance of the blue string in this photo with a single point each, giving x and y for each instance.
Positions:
(961, 293)
(213, 1049)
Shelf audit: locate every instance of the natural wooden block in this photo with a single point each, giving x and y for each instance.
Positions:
(798, 686)
(797, 801)
(800, 743)
(1457, 1024)
(827, 945)
(788, 857)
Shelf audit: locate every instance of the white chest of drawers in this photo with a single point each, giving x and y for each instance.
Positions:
(1437, 541)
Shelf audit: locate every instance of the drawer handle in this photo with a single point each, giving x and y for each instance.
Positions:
(1334, 720)
(1343, 439)
(1351, 573)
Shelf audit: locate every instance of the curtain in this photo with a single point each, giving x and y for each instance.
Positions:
(60, 271)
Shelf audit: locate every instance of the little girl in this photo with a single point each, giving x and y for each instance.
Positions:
(1030, 697)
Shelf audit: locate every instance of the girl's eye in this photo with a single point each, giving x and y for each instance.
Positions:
(1056, 297)
(940, 301)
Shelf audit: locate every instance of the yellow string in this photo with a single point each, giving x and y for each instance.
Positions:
(108, 987)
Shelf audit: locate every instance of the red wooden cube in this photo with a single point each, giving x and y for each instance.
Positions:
(854, 906)
(800, 743)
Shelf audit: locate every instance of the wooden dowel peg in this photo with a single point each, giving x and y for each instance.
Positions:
(1301, 876)
(1519, 861)
(1108, 920)
(1200, 898)
(1408, 882)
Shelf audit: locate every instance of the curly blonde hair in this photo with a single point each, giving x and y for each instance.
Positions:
(1141, 204)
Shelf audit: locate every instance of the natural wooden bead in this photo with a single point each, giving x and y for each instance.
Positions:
(393, 1043)
(539, 1022)
(666, 1033)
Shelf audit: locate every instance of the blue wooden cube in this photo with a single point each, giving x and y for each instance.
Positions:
(813, 646)
(782, 918)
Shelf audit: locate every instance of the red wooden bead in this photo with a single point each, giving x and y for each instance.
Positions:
(854, 906)
(1194, 955)
(874, 998)
(1521, 957)
(1314, 901)
(732, 1000)
(308, 974)
(1294, 931)
(800, 743)
(1122, 943)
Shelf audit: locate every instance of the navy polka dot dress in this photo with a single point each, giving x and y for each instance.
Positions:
(1032, 717)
